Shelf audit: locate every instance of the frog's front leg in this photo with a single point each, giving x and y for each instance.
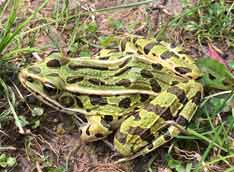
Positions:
(95, 129)
(150, 127)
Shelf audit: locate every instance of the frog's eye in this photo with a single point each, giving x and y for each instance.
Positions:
(50, 89)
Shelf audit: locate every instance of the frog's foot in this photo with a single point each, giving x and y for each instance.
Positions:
(95, 129)
(159, 121)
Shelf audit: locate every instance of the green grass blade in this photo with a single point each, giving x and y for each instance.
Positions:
(9, 93)
(7, 39)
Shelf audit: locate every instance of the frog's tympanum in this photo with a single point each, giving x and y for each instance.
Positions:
(144, 92)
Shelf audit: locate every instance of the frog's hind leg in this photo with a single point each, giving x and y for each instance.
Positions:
(95, 129)
(179, 102)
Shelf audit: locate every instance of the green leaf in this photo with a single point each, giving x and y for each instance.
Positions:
(22, 121)
(215, 74)
(37, 111)
(117, 24)
(36, 124)
(3, 157)
(91, 27)
(11, 161)
(106, 40)
(175, 164)
(231, 64)
(55, 169)
(7, 161)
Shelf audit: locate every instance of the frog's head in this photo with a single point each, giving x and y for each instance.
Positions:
(43, 78)
(176, 60)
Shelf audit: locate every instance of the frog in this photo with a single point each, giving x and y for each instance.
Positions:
(144, 92)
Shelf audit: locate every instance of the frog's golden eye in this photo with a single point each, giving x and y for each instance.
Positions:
(67, 101)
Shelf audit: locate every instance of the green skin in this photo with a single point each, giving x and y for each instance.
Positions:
(139, 90)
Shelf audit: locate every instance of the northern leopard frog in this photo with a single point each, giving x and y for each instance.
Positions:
(140, 90)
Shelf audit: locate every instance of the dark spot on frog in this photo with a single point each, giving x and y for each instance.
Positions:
(211, 77)
(99, 135)
(125, 103)
(139, 52)
(124, 63)
(150, 146)
(157, 42)
(144, 134)
(157, 66)
(129, 52)
(80, 132)
(53, 75)
(104, 58)
(108, 118)
(146, 74)
(96, 81)
(34, 70)
(105, 124)
(74, 66)
(173, 45)
(124, 82)
(67, 101)
(155, 86)
(144, 97)
(87, 131)
(167, 55)
(82, 117)
(181, 121)
(74, 79)
(167, 136)
(180, 94)
(134, 40)
(97, 100)
(136, 116)
(182, 52)
(122, 71)
(182, 70)
(164, 112)
(54, 63)
(174, 83)
(121, 137)
(197, 98)
(79, 103)
(148, 47)
(123, 44)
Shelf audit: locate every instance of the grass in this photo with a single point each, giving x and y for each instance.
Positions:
(208, 21)
(207, 145)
